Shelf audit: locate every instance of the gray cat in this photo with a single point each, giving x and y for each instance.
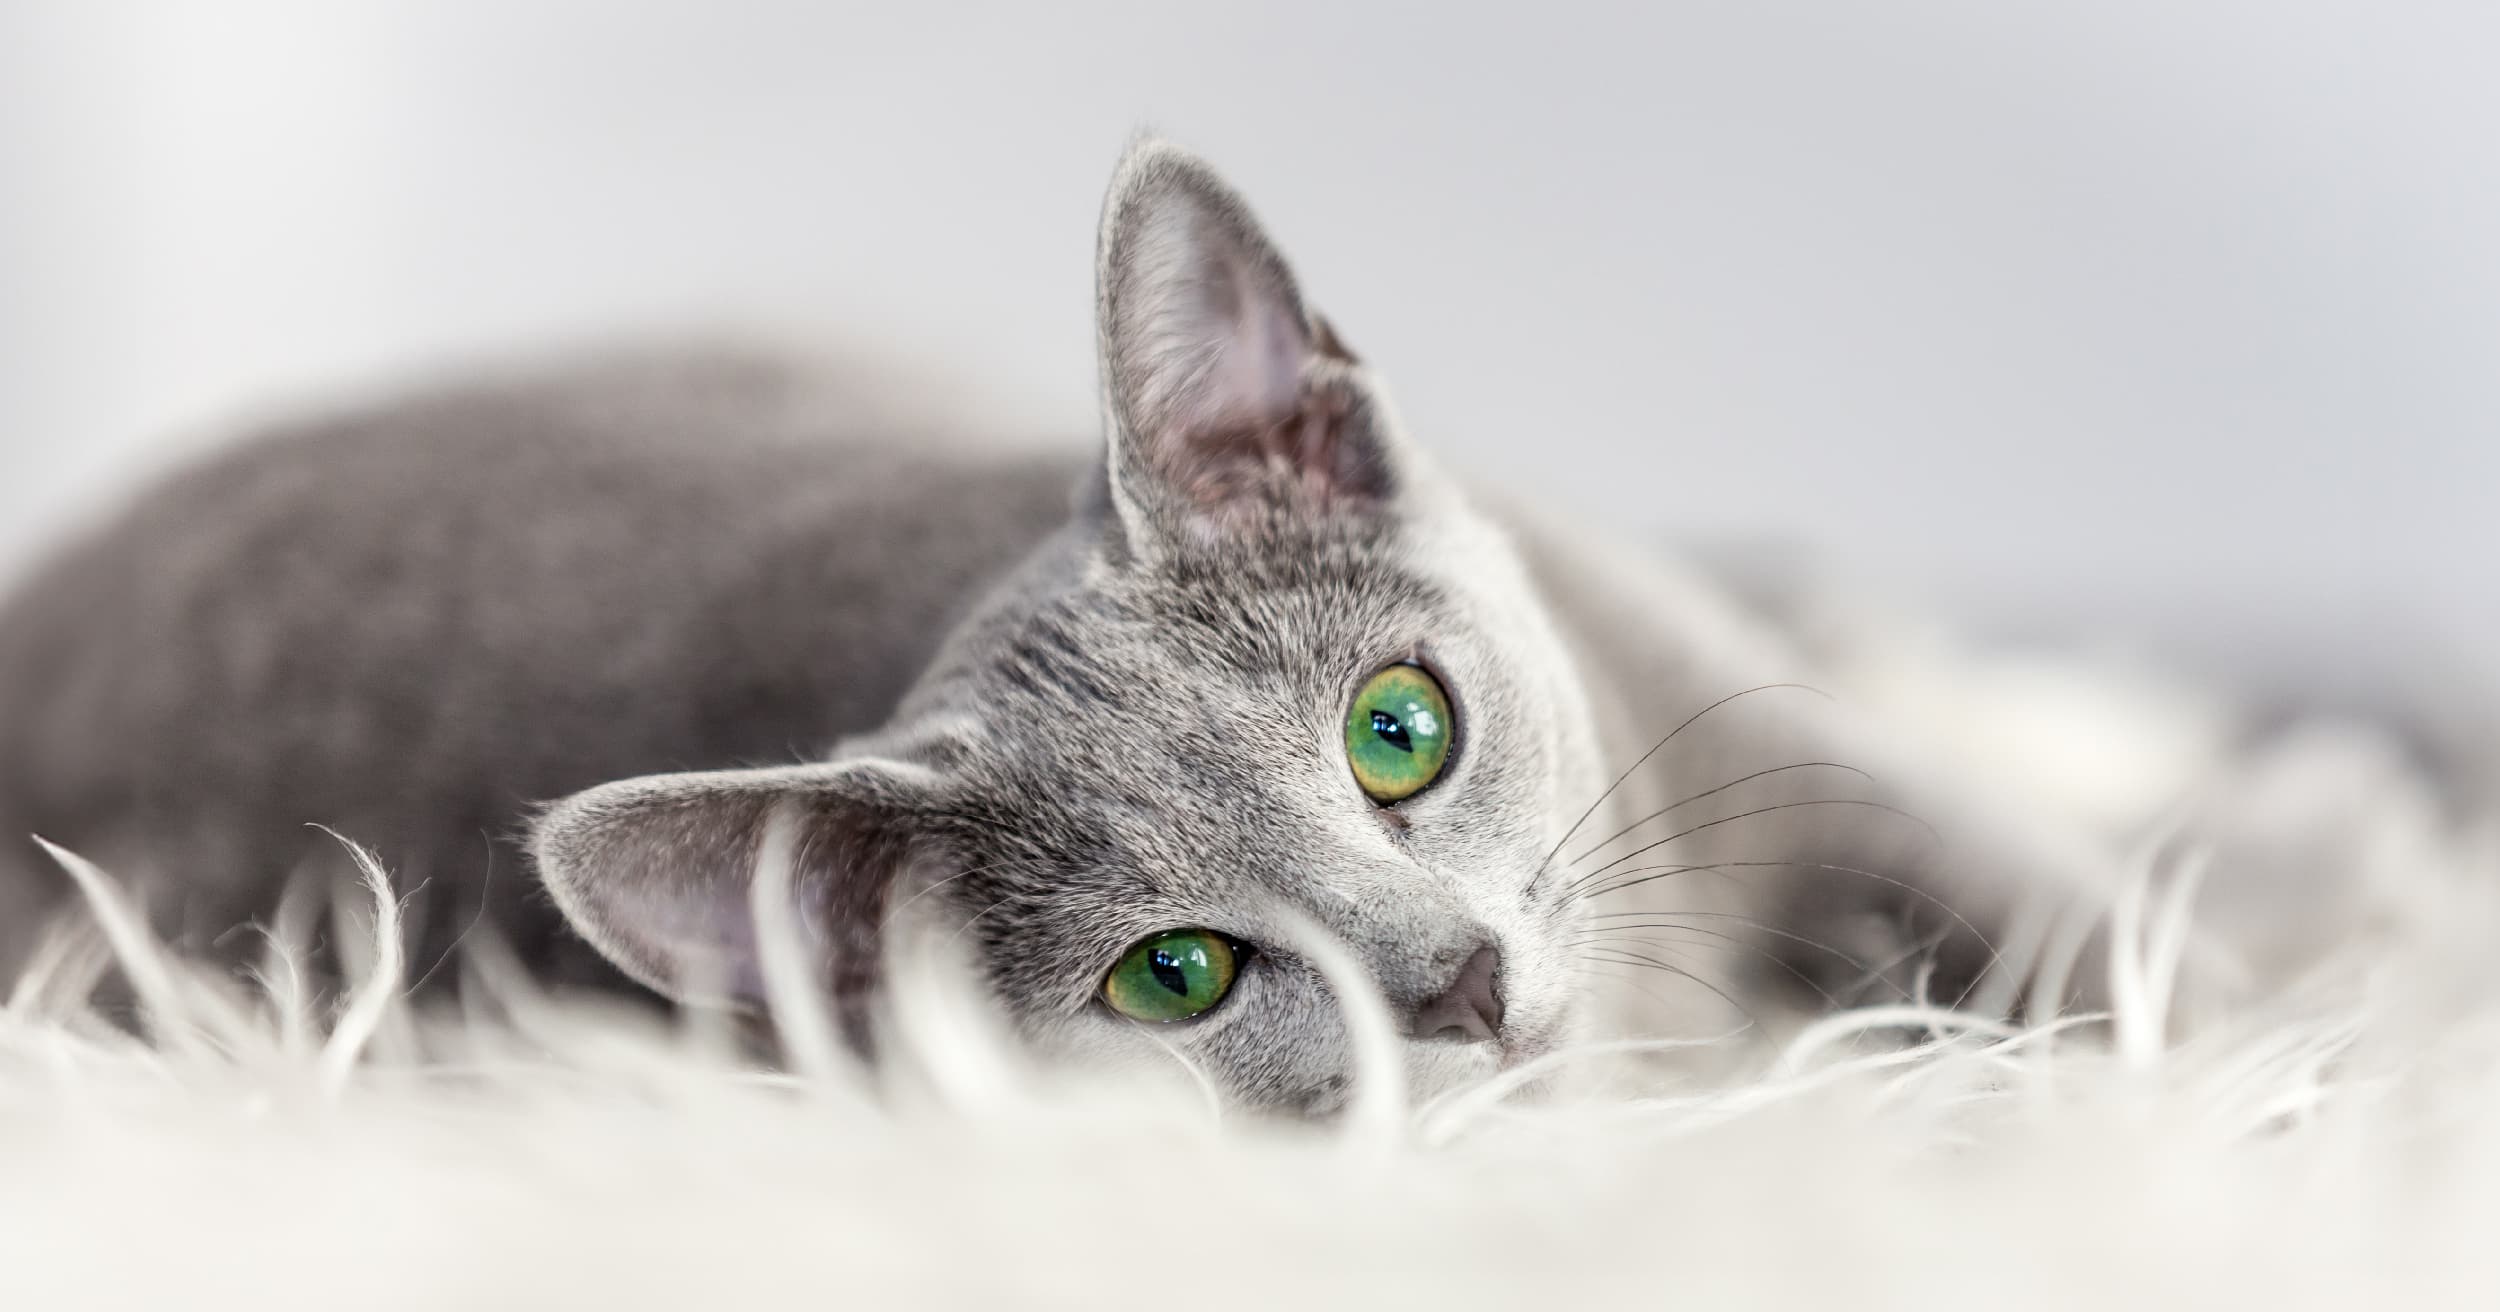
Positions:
(1136, 726)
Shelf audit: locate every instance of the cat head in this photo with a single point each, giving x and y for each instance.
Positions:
(1275, 681)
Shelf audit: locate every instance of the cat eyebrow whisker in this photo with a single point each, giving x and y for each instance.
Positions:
(984, 868)
(969, 921)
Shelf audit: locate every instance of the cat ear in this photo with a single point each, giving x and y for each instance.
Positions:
(659, 873)
(1221, 389)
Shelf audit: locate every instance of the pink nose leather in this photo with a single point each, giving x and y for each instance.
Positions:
(1470, 1009)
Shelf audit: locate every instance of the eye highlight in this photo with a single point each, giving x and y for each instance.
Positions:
(1397, 733)
(1172, 976)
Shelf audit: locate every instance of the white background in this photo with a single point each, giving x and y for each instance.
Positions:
(2176, 321)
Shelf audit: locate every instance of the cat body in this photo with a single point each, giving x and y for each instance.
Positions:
(416, 624)
(578, 654)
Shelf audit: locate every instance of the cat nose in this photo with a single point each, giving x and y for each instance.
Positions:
(1469, 1010)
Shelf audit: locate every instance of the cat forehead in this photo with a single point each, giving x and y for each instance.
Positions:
(1173, 675)
(1109, 710)
(1099, 703)
(1208, 701)
(1090, 668)
(1340, 582)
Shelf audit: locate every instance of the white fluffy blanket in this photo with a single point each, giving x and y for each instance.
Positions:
(2336, 1143)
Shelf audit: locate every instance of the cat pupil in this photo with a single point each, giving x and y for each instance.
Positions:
(1167, 973)
(1392, 732)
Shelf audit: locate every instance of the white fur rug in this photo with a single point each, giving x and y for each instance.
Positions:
(2332, 1143)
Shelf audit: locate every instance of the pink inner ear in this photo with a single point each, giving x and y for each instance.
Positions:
(1245, 427)
(1219, 379)
(1260, 368)
(1212, 361)
(1319, 456)
(1208, 340)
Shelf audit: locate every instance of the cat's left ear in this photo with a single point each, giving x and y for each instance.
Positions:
(1223, 392)
(661, 873)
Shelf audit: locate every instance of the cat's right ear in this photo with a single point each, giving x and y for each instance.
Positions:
(1227, 400)
(660, 873)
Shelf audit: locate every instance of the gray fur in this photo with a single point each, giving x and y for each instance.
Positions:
(1067, 701)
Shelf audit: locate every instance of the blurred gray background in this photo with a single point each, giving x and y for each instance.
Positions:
(2175, 325)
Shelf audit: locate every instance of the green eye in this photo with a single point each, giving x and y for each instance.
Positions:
(1171, 976)
(1397, 734)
